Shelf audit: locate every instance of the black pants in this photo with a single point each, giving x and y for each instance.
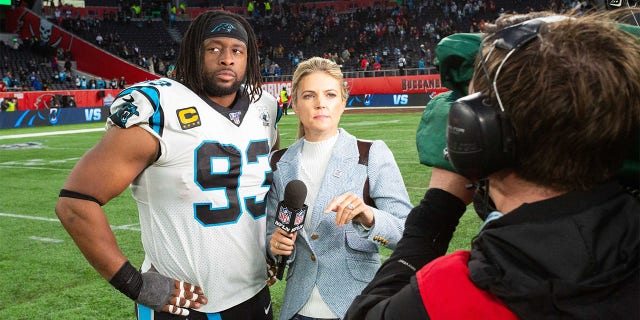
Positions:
(258, 307)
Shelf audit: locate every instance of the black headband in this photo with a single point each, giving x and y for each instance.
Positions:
(226, 26)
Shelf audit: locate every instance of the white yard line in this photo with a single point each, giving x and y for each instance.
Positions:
(43, 239)
(131, 227)
(53, 133)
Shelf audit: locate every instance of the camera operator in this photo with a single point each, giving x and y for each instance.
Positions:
(553, 111)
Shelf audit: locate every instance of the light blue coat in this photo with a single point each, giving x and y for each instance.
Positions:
(340, 260)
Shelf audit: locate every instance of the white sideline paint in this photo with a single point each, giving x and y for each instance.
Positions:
(132, 227)
(46, 239)
(52, 133)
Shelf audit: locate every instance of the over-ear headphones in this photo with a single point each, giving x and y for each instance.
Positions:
(480, 138)
(617, 4)
(624, 4)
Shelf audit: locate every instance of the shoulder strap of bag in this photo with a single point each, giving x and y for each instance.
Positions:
(363, 150)
(275, 157)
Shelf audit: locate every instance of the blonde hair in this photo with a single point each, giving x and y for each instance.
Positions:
(312, 65)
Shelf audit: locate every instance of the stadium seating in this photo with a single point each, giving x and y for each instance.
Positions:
(151, 33)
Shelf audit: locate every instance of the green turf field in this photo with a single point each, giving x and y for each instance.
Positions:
(42, 273)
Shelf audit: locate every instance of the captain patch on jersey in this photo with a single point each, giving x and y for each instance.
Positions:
(188, 118)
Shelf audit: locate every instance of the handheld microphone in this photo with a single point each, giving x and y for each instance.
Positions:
(291, 213)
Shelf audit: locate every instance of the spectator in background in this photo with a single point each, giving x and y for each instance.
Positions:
(346, 220)
(122, 83)
(55, 102)
(71, 102)
(364, 63)
(17, 83)
(428, 58)
(84, 84)
(54, 63)
(280, 51)
(62, 76)
(113, 84)
(423, 51)
(377, 67)
(32, 77)
(277, 71)
(12, 104)
(561, 240)
(171, 71)
(251, 8)
(37, 84)
(47, 83)
(161, 68)
(421, 66)
(100, 83)
(67, 65)
(8, 79)
(58, 15)
(402, 63)
(284, 100)
(295, 61)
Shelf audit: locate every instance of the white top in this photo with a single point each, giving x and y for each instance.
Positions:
(314, 160)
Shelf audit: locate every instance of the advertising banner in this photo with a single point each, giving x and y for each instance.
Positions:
(381, 91)
(37, 100)
(52, 117)
(389, 100)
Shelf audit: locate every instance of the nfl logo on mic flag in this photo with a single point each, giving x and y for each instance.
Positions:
(284, 215)
(290, 220)
(299, 217)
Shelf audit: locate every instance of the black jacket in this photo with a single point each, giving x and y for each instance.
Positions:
(575, 256)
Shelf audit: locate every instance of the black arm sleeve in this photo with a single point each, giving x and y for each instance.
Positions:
(392, 294)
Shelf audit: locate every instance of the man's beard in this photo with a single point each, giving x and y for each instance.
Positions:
(214, 90)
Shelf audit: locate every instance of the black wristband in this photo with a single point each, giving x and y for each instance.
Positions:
(128, 280)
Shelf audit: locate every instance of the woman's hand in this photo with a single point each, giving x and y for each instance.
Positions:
(349, 207)
(281, 242)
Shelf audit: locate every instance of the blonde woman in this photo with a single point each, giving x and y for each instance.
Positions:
(335, 255)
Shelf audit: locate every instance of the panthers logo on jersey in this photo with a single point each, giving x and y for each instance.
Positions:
(125, 111)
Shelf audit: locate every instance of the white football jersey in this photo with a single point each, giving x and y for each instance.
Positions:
(202, 203)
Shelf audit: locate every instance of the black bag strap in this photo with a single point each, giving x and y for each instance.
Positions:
(363, 150)
(275, 157)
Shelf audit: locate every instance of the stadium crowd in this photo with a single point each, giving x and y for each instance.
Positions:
(394, 37)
